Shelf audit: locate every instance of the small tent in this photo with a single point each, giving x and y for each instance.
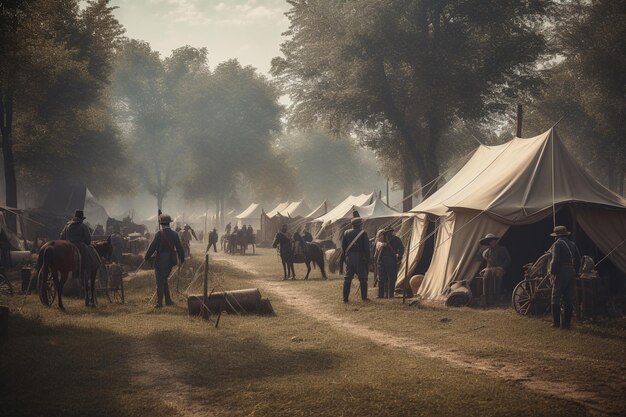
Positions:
(519, 188)
(285, 213)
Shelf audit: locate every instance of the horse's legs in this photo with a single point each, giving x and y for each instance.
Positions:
(85, 278)
(293, 271)
(308, 268)
(58, 284)
(320, 263)
(93, 288)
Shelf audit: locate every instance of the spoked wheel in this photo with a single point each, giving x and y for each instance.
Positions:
(531, 297)
(115, 290)
(47, 289)
(6, 288)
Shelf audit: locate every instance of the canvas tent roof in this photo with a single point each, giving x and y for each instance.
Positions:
(297, 209)
(345, 208)
(253, 211)
(517, 183)
(378, 209)
(279, 209)
(319, 210)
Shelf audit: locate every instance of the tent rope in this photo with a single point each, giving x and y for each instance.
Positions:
(609, 254)
(553, 204)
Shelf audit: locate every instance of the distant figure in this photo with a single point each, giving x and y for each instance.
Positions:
(298, 245)
(213, 238)
(99, 231)
(117, 242)
(355, 214)
(388, 254)
(190, 229)
(228, 227)
(355, 246)
(168, 250)
(565, 262)
(497, 259)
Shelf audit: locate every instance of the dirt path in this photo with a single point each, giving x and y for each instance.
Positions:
(310, 306)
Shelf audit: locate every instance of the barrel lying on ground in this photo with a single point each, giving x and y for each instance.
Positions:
(247, 301)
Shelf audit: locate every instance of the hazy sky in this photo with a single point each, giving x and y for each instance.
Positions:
(249, 30)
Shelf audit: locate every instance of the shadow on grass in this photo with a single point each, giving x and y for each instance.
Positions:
(64, 370)
(232, 363)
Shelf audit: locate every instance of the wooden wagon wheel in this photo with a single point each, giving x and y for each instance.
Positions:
(532, 296)
(116, 292)
(47, 289)
(104, 272)
(5, 286)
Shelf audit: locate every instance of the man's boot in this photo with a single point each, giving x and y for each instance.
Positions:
(168, 297)
(556, 315)
(364, 290)
(567, 317)
(346, 289)
(159, 303)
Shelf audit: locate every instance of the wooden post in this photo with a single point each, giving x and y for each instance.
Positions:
(406, 270)
(205, 290)
(387, 191)
(519, 121)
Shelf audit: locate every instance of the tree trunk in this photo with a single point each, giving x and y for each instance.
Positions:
(159, 201)
(407, 192)
(222, 214)
(10, 179)
(217, 214)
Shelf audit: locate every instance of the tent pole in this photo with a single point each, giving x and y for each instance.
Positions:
(519, 121)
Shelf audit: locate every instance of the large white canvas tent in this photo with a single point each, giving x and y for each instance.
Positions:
(375, 214)
(344, 209)
(250, 216)
(519, 183)
(290, 213)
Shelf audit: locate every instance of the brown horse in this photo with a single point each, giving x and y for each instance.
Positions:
(313, 254)
(57, 258)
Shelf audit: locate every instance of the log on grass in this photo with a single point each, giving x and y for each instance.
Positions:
(247, 301)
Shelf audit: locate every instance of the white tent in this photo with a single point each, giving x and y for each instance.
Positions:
(279, 209)
(319, 211)
(250, 216)
(344, 209)
(520, 182)
(94, 211)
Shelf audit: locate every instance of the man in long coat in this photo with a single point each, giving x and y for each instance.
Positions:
(355, 247)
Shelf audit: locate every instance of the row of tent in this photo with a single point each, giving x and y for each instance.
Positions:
(518, 190)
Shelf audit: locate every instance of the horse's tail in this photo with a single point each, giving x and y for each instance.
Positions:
(44, 262)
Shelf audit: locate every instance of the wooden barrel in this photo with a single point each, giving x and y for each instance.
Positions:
(460, 296)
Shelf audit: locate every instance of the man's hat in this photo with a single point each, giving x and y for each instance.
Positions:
(388, 229)
(488, 237)
(79, 214)
(560, 231)
(355, 213)
(356, 220)
(165, 219)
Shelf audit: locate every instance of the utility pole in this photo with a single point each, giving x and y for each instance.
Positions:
(387, 191)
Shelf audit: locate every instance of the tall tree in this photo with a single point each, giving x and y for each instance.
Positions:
(413, 66)
(587, 86)
(230, 118)
(55, 63)
(148, 93)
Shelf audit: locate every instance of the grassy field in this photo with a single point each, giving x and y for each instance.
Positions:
(315, 357)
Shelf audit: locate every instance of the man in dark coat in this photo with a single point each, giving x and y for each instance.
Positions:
(563, 267)
(388, 255)
(167, 245)
(213, 238)
(355, 246)
(78, 233)
(227, 229)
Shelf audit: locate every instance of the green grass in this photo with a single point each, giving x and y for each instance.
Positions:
(130, 360)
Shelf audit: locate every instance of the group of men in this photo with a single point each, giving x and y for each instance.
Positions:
(563, 266)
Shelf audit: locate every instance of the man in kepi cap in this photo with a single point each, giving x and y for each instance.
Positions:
(168, 248)
(497, 259)
(563, 267)
(355, 247)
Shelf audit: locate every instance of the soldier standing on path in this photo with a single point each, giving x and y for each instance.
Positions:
(355, 246)
(563, 267)
(168, 248)
(213, 238)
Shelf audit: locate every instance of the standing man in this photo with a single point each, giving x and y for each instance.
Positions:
(166, 244)
(355, 246)
(227, 230)
(186, 237)
(389, 252)
(497, 259)
(563, 267)
(213, 238)
(117, 241)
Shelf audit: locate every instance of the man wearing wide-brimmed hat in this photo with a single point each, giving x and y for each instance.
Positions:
(168, 248)
(497, 258)
(356, 250)
(78, 233)
(563, 267)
